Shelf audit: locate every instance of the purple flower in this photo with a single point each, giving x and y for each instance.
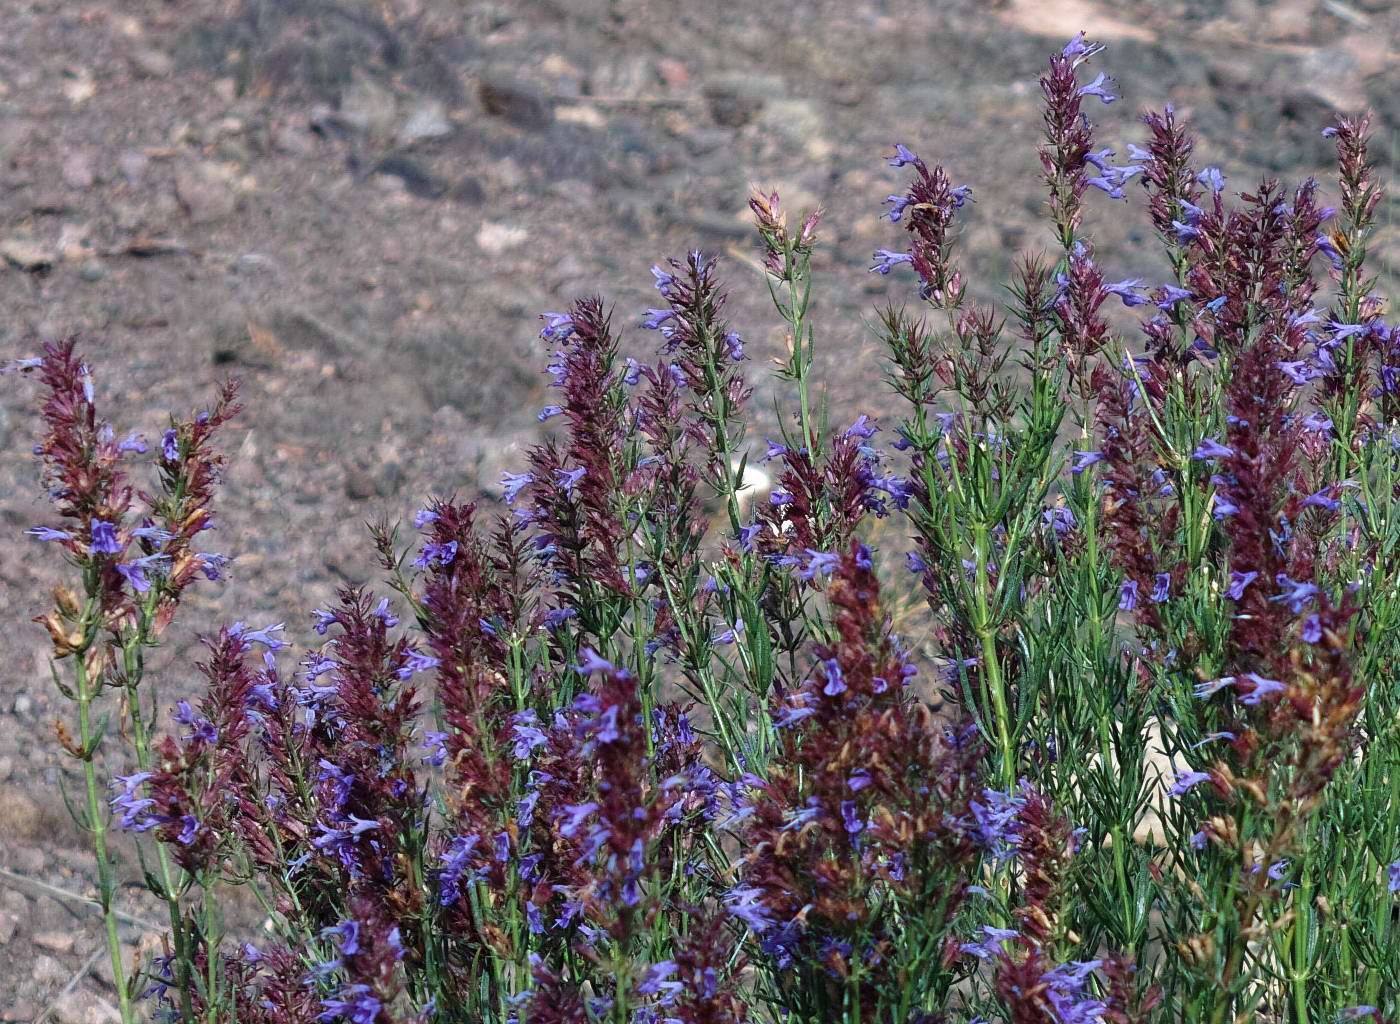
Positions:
(134, 442)
(591, 662)
(557, 326)
(1321, 499)
(46, 533)
(568, 479)
(1185, 781)
(1393, 877)
(131, 807)
(1312, 629)
(1296, 594)
(1099, 87)
(1060, 519)
(661, 279)
(264, 636)
(1260, 688)
(1170, 295)
(997, 817)
(744, 903)
(1127, 291)
(835, 678)
(902, 156)
(1316, 423)
(1299, 371)
(1211, 687)
(1128, 596)
(416, 662)
(655, 319)
(915, 563)
(991, 945)
(654, 981)
(549, 412)
(513, 483)
(134, 572)
(1238, 582)
(885, 260)
(819, 563)
(849, 817)
(1079, 50)
(861, 428)
(1161, 587)
(1185, 232)
(170, 445)
(103, 538)
(354, 1004)
(1083, 460)
(1209, 448)
(778, 498)
(897, 205)
(442, 554)
(1212, 179)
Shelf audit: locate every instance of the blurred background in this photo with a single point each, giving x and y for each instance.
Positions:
(359, 207)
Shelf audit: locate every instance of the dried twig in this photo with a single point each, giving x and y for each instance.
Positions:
(34, 887)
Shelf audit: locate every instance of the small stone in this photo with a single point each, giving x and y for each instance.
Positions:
(294, 139)
(92, 271)
(7, 767)
(152, 63)
(132, 163)
(19, 816)
(27, 254)
(23, 703)
(360, 485)
(48, 971)
(497, 239)
(426, 121)
(205, 191)
(8, 923)
(84, 1008)
(416, 179)
(56, 942)
(515, 102)
(78, 170)
(468, 190)
(368, 107)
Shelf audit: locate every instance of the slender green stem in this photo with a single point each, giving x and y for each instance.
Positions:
(97, 828)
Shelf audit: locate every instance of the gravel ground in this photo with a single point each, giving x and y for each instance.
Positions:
(358, 208)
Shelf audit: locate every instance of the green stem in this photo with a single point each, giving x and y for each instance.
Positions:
(97, 826)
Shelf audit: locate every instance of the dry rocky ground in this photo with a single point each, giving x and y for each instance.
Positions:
(359, 206)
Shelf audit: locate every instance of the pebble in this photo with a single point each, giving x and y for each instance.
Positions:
(8, 923)
(27, 254)
(84, 1008)
(48, 971)
(515, 102)
(152, 63)
(79, 170)
(497, 239)
(55, 942)
(426, 121)
(205, 191)
(23, 703)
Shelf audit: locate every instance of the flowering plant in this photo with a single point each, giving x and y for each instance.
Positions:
(612, 757)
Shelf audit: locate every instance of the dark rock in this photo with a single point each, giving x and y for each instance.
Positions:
(467, 189)
(416, 178)
(360, 485)
(515, 102)
(730, 108)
